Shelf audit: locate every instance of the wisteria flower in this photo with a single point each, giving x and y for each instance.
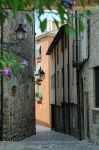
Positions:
(7, 72)
(70, 5)
(10, 75)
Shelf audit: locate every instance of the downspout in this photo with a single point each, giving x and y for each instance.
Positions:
(88, 31)
(69, 125)
(55, 96)
(64, 124)
(78, 82)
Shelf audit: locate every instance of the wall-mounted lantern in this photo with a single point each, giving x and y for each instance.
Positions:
(21, 34)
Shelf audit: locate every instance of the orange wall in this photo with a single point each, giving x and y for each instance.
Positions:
(43, 107)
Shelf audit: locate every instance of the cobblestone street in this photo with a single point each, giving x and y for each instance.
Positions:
(48, 140)
(46, 134)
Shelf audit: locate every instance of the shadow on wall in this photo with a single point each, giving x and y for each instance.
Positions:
(39, 122)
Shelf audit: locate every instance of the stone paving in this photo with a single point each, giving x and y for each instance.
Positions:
(46, 134)
(48, 140)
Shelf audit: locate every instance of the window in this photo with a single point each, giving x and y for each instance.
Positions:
(38, 66)
(40, 50)
(97, 86)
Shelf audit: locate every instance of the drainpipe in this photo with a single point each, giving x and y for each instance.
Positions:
(68, 92)
(78, 82)
(64, 124)
(88, 31)
(55, 96)
(1, 137)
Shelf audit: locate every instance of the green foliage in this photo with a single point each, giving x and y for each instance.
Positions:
(3, 16)
(70, 31)
(39, 6)
(2, 63)
(43, 24)
(9, 59)
(81, 25)
(83, 3)
(61, 12)
(86, 14)
(29, 19)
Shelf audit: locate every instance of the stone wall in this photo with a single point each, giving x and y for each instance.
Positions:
(19, 107)
(88, 74)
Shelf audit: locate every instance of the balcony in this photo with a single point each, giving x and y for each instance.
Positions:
(77, 63)
(38, 79)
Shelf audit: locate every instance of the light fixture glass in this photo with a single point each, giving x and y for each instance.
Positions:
(21, 34)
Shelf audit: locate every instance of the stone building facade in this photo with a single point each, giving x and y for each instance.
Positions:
(18, 101)
(80, 76)
(86, 61)
(90, 79)
(63, 88)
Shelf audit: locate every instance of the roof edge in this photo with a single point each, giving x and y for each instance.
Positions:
(55, 40)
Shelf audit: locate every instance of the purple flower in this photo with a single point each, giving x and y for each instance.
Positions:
(69, 4)
(10, 75)
(7, 72)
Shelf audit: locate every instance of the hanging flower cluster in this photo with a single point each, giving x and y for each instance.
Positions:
(7, 72)
(69, 4)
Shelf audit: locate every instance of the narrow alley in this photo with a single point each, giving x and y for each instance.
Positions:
(46, 134)
(46, 139)
(49, 75)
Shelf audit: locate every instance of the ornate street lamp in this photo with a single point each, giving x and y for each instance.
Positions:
(21, 34)
(40, 76)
